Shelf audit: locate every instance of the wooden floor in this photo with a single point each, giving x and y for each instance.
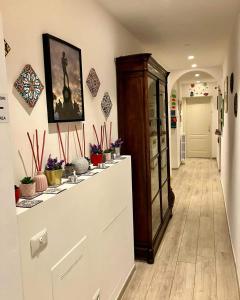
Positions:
(195, 259)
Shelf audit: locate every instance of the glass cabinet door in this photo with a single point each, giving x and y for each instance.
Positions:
(154, 154)
(163, 117)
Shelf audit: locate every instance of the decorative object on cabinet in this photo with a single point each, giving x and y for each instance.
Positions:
(93, 82)
(174, 108)
(17, 193)
(40, 178)
(7, 47)
(28, 203)
(80, 165)
(142, 85)
(116, 146)
(63, 75)
(96, 154)
(226, 94)
(27, 187)
(54, 171)
(231, 83)
(106, 105)
(235, 104)
(29, 86)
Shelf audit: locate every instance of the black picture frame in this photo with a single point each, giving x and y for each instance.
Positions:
(64, 81)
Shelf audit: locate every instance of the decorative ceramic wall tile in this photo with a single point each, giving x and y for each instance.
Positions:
(7, 48)
(106, 105)
(93, 82)
(29, 85)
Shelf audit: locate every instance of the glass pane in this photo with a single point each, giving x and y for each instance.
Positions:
(153, 138)
(154, 177)
(164, 198)
(152, 96)
(156, 219)
(163, 141)
(164, 174)
(162, 108)
(163, 159)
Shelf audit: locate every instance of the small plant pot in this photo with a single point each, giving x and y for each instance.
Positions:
(28, 190)
(54, 177)
(41, 182)
(17, 194)
(117, 151)
(68, 171)
(108, 156)
(96, 159)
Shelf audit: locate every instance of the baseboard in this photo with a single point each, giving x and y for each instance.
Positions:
(129, 277)
(230, 235)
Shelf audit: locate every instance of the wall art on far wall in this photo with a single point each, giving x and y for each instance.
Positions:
(226, 94)
(7, 47)
(235, 105)
(29, 86)
(232, 82)
(93, 82)
(106, 105)
(63, 75)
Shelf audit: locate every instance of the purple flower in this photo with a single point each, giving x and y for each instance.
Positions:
(95, 149)
(117, 143)
(53, 164)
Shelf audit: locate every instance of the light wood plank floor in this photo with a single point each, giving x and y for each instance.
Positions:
(195, 260)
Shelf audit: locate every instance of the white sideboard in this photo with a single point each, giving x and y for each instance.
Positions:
(90, 239)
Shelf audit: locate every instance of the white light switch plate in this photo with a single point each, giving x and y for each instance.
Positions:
(39, 242)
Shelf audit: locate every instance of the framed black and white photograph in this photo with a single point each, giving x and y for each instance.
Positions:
(63, 76)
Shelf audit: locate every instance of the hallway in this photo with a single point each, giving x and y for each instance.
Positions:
(195, 259)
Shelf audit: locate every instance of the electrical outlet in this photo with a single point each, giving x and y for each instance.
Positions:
(96, 295)
(39, 242)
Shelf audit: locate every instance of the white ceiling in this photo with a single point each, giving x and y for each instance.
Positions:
(174, 29)
(190, 77)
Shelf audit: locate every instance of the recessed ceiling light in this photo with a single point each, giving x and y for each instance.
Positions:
(190, 57)
(194, 65)
(197, 75)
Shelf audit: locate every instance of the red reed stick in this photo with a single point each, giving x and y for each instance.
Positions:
(37, 145)
(84, 141)
(110, 135)
(32, 154)
(60, 153)
(35, 160)
(106, 134)
(96, 134)
(61, 143)
(78, 141)
(43, 146)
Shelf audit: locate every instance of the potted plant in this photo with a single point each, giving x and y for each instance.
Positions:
(54, 171)
(108, 154)
(116, 146)
(27, 187)
(96, 154)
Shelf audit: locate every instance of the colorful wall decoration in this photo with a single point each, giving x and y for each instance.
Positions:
(198, 89)
(93, 82)
(106, 105)
(173, 109)
(29, 86)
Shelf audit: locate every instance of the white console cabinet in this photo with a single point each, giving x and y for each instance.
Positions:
(89, 252)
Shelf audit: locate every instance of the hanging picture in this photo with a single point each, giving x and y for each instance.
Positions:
(235, 104)
(106, 105)
(226, 94)
(231, 82)
(63, 75)
(29, 86)
(7, 47)
(93, 82)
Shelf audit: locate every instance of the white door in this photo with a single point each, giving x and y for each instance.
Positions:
(198, 127)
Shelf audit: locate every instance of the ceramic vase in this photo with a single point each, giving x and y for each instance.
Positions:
(108, 156)
(96, 159)
(81, 165)
(41, 182)
(28, 190)
(54, 177)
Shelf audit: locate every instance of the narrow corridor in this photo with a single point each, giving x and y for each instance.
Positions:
(195, 259)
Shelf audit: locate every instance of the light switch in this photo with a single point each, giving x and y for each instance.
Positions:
(39, 242)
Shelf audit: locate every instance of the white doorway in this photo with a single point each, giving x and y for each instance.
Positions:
(198, 127)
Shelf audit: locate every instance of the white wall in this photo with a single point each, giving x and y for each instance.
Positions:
(230, 161)
(10, 280)
(82, 23)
